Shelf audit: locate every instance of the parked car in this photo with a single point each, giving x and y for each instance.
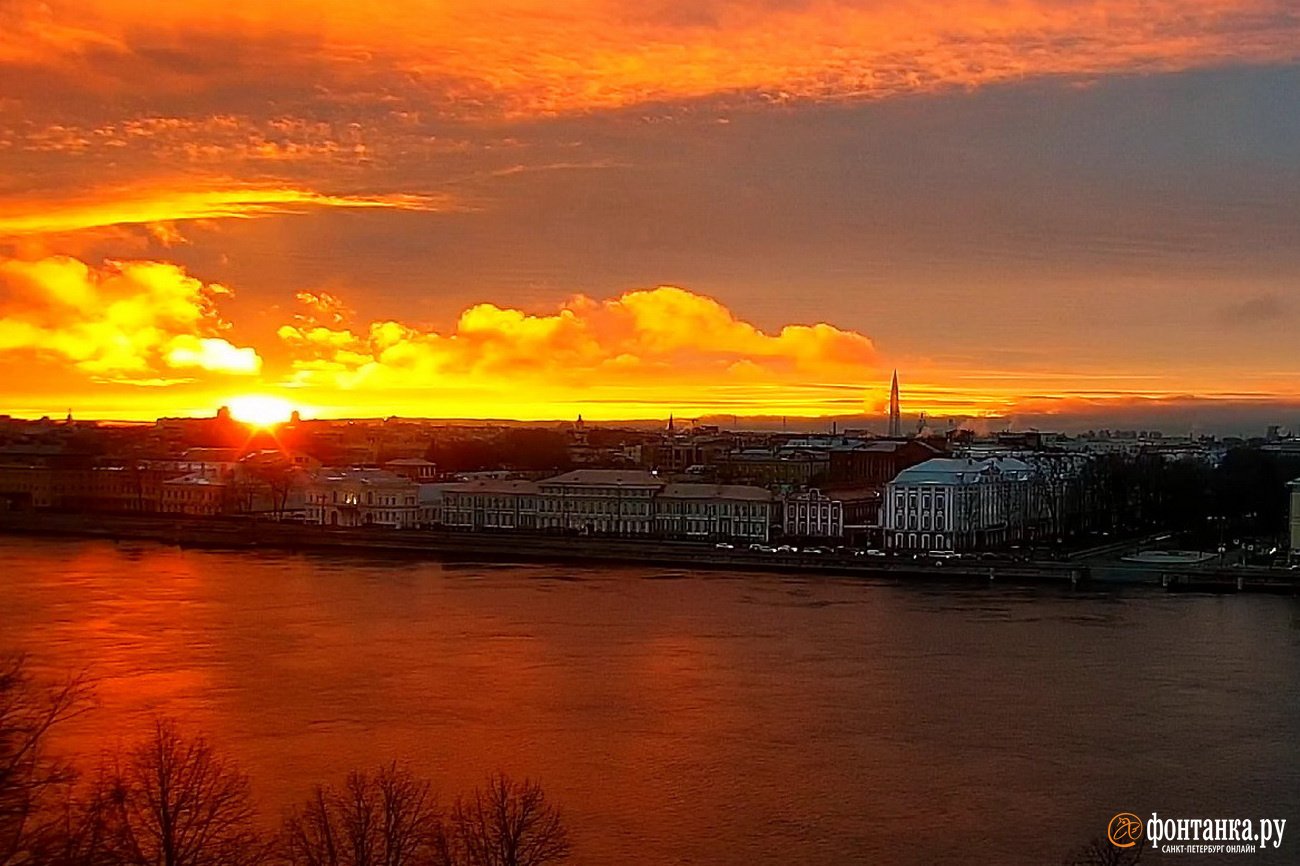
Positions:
(722, 545)
(787, 548)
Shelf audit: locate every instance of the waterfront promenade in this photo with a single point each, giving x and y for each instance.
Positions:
(456, 545)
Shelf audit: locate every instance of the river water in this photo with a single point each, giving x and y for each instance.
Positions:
(692, 718)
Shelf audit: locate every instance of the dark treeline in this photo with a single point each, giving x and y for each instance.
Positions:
(173, 800)
(1245, 495)
(521, 449)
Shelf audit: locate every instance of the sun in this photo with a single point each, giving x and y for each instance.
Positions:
(259, 410)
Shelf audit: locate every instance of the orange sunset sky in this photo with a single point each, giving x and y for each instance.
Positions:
(1058, 212)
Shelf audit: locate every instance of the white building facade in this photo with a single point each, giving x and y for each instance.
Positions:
(362, 497)
(813, 514)
(606, 502)
(196, 495)
(958, 504)
(487, 504)
(734, 511)
(599, 501)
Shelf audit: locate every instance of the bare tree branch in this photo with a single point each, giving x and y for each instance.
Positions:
(173, 801)
(31, 781)
(386, 818)
(508, 823)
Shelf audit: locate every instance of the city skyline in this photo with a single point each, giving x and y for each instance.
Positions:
(1067, 215)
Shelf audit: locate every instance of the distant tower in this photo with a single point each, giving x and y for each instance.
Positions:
(895, 413)
(670, 422)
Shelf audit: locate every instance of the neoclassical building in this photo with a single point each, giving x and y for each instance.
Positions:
(362, 497)
(959, 504)
(610, 502)
(600, 501)
(813, 514)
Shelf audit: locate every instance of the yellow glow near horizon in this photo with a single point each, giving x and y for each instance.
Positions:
(260, 410)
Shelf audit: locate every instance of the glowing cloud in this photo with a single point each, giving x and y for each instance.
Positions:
(149, 326)
(126, 320)
(658, 344)
(536, 57)
(210, 353)
(158, 207)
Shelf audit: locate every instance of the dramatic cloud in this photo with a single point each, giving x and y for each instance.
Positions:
(157, 207)
(532, 56)
(641, 354)
(998, 242)
(659, 344)
(322, 307)
(124, 321)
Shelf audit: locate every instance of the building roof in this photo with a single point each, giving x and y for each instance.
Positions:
(813, 442)
(758, 455)
(889, 446)
(687, 490)
(211, 455)
(958, 470)
(360, 475)
(196, 479)
(410, 461)
(484, 485)
(606, 478)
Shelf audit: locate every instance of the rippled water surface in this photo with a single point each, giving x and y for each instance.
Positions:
(710, 718)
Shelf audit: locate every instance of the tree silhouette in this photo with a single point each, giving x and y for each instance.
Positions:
(32, 783)
(508, 823)
(386, 818)
(174, 802)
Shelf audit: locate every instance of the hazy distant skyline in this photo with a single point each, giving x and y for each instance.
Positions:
(1076, 211)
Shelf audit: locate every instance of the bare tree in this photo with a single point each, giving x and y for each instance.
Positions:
(32, 783)
(84, 832)
(174, 802)
(388, 818)
(507, 824)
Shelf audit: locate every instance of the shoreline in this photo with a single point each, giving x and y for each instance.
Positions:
(517, 547)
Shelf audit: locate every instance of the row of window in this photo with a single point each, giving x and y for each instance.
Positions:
(910, 499)
(619, 492)
(190, 493)
(923, 541)
(926, 521)
(346, 497)
(317, 514)
(804, 511)
(642, 509)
